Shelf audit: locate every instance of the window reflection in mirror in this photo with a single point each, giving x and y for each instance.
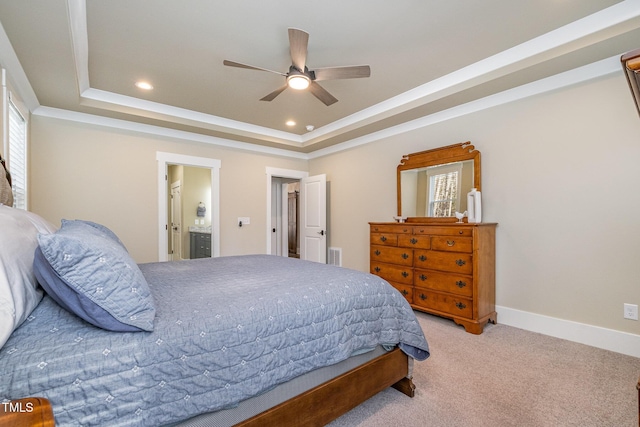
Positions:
(436, 191)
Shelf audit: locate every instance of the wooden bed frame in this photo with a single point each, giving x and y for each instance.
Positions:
(316, 407)
(27, 412)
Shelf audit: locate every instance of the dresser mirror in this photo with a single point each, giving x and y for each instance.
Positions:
(433, 184)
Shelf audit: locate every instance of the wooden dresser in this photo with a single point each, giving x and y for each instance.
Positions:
(447, 269)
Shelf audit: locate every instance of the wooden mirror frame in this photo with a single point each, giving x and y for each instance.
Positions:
(439, 156)
(631, 65)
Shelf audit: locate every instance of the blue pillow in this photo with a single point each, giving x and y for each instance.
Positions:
(99, 227)
(93, 276)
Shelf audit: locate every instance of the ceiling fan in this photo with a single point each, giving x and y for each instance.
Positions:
(301, 77)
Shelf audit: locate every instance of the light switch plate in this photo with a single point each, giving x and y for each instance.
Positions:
(245, 220)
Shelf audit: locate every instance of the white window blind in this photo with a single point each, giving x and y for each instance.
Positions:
(443, 192)
(18, 155)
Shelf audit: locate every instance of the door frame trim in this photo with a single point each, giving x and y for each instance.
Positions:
(278, 173)
(164, 160)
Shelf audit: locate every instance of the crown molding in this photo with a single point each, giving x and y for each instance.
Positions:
(569, 78)
(159, 131)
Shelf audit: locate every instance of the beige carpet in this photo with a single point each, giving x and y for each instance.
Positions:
(507, 377)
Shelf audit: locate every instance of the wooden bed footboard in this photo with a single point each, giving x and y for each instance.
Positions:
(328, 401)
(316, 407)
(27, 412)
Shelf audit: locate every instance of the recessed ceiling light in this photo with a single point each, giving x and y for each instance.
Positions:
(144, 85)
(290, 123)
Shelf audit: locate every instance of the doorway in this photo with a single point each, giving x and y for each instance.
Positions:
(310, 223)
(278, 181)
(189, 212)
(293, 209)
(210, 200)
(284, 221)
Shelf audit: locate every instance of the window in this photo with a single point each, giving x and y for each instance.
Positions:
(443, 197)
(17, 156)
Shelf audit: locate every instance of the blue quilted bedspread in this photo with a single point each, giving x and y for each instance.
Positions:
(225, 329)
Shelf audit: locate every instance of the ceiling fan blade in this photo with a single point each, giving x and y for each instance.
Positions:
(298, 42)
(321, 93)
(349, 72)
(273, 94)
(249, 67)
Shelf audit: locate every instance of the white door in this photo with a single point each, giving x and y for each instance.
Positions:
(176, 222)
(313, 218)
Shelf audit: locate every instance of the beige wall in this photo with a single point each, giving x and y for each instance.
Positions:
(109, 176)
(560, 176)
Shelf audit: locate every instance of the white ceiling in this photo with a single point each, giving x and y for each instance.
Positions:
(425, 56)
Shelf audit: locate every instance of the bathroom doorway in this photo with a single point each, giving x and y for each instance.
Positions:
(201, 203)
(189, 212)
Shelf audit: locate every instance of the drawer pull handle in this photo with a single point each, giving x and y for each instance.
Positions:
(384, 239)
(423, 297)
(422, 258)
(451, 243)
(414, 240)
(461, 284)
(461, 262)
(377, 252)
(461, 306)
(405, 274)
(377, 269)
(405, 256)
(423, 277)
(404, 292)
(460, 232)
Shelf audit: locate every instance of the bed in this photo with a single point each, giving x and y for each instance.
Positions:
(240, 340)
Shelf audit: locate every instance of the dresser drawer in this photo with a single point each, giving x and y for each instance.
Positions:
(452, 244)
(444, 261)
(393, 273)
(443, 231)
(412, 241)
(391, 229)
(405, 290)
(452, 283)
(443, 302)
(391, 255)
(387, 239)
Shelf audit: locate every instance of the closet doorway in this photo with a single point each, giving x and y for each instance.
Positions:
(310, 214)
(285, 231)
(293, 236)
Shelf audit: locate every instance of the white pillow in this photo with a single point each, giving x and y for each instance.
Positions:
(19, 292)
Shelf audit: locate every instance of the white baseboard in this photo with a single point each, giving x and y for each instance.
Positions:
(595, 336)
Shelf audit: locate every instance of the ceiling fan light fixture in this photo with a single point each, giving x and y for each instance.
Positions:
(298, 81)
